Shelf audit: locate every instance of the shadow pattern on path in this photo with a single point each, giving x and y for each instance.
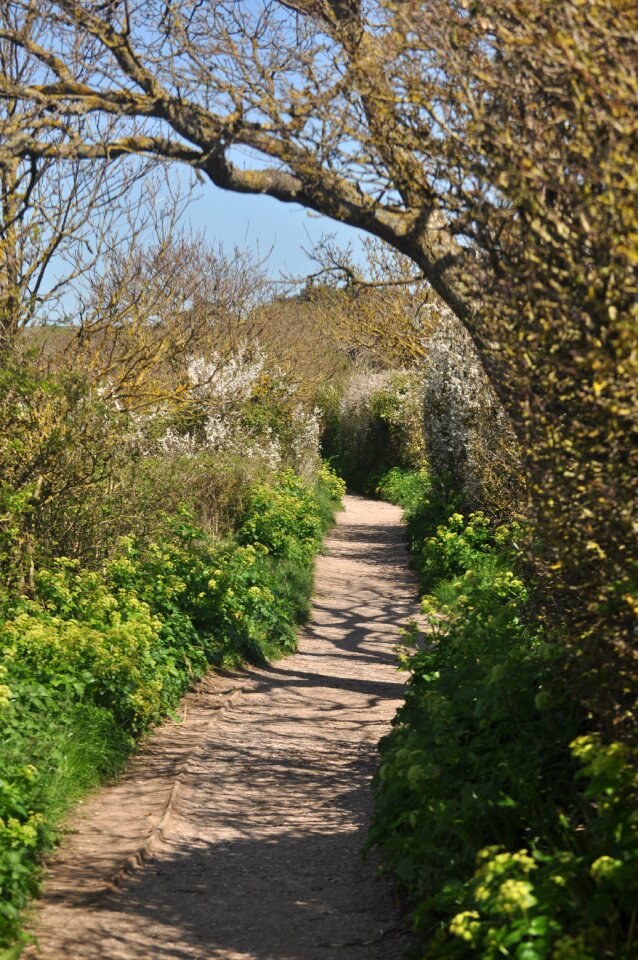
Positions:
(260, 809)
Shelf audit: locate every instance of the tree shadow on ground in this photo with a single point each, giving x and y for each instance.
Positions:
(299, 893)
(261, 855)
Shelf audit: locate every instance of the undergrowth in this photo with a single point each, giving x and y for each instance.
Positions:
(95, 658)
(509, 823)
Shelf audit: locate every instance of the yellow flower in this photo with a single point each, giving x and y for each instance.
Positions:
(487, 853)
(515, 895)
(604, 868)
(465, 925)
(5, 695)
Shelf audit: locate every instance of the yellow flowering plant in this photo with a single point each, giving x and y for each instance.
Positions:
(512, 832)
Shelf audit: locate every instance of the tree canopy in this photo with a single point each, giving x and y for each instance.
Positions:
(492, 142)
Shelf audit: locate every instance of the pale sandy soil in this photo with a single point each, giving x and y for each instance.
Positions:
(237, 834)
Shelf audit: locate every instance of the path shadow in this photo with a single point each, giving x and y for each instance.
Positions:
(263, 859)
(299, 893)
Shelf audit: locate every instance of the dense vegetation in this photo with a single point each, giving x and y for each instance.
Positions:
(507, 820)
(141, 543)
(492, 144)
(505, 817)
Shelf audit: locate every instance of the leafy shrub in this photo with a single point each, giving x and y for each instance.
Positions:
(408, 489)
(276, 519)
(573, 893)
(80, 469)
(511, 830)
(377, 423)
(331, 489)
(54, 748)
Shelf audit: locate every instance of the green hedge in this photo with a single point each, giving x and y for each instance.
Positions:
(510, 825)
(95, 659)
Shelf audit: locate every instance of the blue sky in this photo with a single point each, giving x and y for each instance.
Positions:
(275, 233)
(260, 223)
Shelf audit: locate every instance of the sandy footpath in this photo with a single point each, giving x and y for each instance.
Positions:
(236, 834)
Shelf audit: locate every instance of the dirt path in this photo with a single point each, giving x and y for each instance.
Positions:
(237, 833)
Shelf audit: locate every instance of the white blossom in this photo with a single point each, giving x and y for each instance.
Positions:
(227, 379)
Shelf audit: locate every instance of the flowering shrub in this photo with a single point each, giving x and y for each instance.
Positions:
(80, 469)
(332, 487)
(275, 521)
(243, 404)
(468, 436)
(513, 833)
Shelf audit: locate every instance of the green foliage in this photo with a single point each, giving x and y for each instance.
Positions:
(408, 489)
(376, 423)
(274, 520)
(331, 489)
(54, 748)
(94, 658)
(573, 898)
(67, 459)
(553, 286)
(79, 471)
(513, 835)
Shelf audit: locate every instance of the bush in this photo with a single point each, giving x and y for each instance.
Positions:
(377, 423)
(511, 829)
(468, 436)
(81, 469)
(277, 519)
